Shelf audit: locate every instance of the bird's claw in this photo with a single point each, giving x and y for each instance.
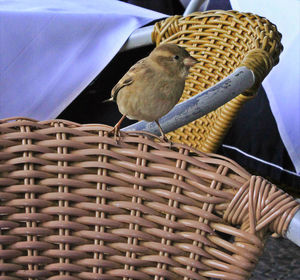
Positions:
(117, 134)
(116, 130)
(165, 139)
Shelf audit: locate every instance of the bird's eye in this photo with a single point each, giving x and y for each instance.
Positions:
(176, 57)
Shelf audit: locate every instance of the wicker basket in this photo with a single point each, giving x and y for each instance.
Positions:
(221, 41)
(75, 204)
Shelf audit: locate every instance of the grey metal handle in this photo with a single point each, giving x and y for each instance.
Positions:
(293, 232)
(142, 36)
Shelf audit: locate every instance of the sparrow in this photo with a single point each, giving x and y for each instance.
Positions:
(152, 86)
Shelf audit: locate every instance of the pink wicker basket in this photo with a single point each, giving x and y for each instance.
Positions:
(75, 204)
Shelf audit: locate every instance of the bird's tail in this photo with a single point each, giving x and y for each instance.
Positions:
(108, 100)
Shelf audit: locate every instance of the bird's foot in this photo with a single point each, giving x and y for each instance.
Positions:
(117, 134)
(116, 130)
(165, 139)
(163, 136)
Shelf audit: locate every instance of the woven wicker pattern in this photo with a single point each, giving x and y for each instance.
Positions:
(221, 41)
(75, 204)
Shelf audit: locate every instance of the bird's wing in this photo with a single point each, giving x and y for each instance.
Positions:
(125, 81)
(128, 78)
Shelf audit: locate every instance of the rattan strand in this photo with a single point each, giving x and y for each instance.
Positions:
(75, 204)
(221, 41)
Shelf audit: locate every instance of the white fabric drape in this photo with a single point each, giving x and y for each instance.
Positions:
(51, 50)
(282, 85)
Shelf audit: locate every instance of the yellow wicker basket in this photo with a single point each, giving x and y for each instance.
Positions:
(221, 41)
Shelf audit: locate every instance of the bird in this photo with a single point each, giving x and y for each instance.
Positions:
(153, 85)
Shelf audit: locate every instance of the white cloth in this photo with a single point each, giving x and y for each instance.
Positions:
(282, 85)
(51, 50)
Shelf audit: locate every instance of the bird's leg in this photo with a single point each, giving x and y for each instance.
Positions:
(164, 137)
(116, 129)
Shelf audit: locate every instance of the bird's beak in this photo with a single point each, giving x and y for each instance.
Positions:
(189, 61)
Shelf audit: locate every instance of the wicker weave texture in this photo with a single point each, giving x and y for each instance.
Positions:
(221, 41)
(76, 204)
